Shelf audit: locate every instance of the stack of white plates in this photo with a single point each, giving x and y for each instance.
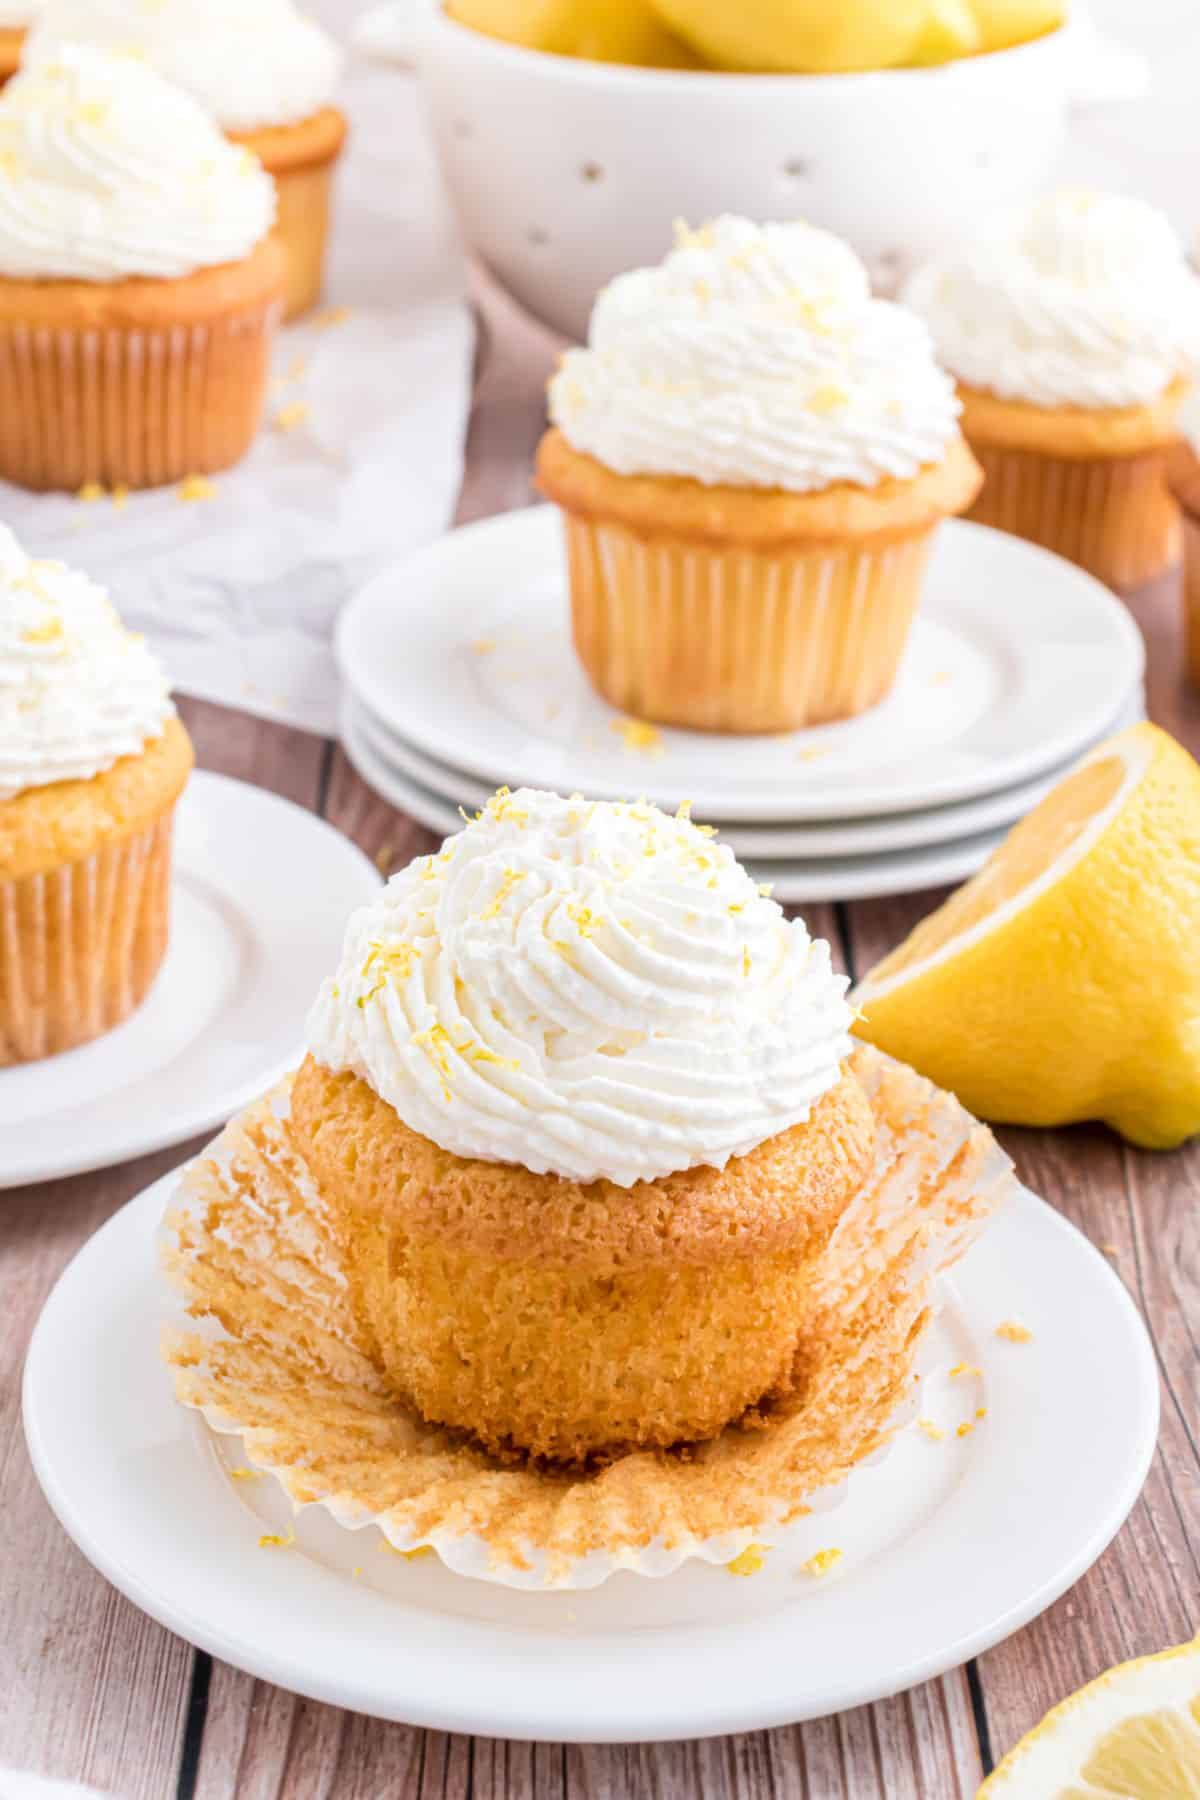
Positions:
(460, 677)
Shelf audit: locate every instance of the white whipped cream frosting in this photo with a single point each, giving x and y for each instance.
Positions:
(1084, 299)
(15, 14)
(77, 691)
(249, 63)
(754, 356)
(106, 171)
(587, 989)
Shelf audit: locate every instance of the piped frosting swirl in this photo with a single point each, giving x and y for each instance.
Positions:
(77, 690)
(588, 989)
(754, 356)
(107, 172)
(1085, 299)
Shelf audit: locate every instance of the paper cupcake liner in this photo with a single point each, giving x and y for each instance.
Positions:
(267, 1345)
(740, 639)
(302, 227)
(132, 408)
(80, 945)
(1112, 515)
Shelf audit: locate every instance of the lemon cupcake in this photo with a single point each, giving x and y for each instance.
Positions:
(139, 284)
(1070, 328)
(751, 456)
(92, 761)
(266, 74)
(576, 1093)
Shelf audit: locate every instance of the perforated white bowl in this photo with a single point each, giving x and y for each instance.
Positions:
(567, 172)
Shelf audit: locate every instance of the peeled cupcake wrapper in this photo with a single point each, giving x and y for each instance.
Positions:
(267, 1347)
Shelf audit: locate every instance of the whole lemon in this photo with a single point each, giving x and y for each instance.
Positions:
(613, 31)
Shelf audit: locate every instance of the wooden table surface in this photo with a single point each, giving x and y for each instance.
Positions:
(90, 1689)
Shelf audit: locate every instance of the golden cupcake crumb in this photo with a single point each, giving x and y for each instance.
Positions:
(821, 1563)
(196, 487)
(981, 1412)
(290, 417)
(965, 1429)
(637, 734)
(245, 1474)
(332, 315)
(967, 1369)
(407, 1555)
(749, 1561)
(91, 490)
(120, 497)
(931, 1430)
(275, 1540)
(1013, 1332)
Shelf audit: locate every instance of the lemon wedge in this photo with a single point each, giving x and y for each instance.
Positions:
(1003, 23)
(1063, 981)
(1134, 1734)
(612, 31)
(781, 36)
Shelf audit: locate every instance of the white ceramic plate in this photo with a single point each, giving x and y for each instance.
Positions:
(260, 897)
(1016, 661)
(947, 1547)
(794, 882)
(853, 837)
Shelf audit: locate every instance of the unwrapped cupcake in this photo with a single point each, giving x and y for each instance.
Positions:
(264, 72)
(751, 456)
(139, 282)
(92, 762)
(583, 1238)
(1071, 327)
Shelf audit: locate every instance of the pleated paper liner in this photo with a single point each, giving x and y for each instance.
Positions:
(1185, 483)
(742, 639)
(80, 945)
(1111, 515)
(269, 1349)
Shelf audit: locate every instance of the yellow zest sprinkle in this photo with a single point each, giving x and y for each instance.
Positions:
(91, 490)
(701, 238)
(684, 810)
(274, 1540)
(746, 962)
(1013, 1332)
(967, 1369)
(812, 755)
(474, 1051)
(827, 400)
(383, 858)
(737, 906)
(356, 1571)
(408, 1555)
(584, 919)
(335, 990)
(120, 496)
(931, 1430)
(332, 315)
(92, 112)
(965, 1429)
(389, 960)
(766, 889)
(245, 1474)
(47, 633)
(566, 951)
(483, 646)
(196, 487)
(500, 806)
(288, 418)
(494, 905)
(636, 734)
(749, 1561)
(821, 1563)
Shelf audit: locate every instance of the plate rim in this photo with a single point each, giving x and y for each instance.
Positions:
(142, 1138)
(537, 521)
(571, 1723)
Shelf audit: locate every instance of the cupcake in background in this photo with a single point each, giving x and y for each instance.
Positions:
(751, 456)
(139, 282)
(1070, 328)
(265, 73)
(1185, 484)
(92, 762)
(15, 19)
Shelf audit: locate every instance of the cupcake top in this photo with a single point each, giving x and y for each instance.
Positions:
(249, 63)
(77, 691)
(754, 356)
(588, 989)
(107, 171)
(1084, 299)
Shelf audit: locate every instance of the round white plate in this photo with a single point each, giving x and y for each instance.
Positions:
(854, 837)
(947, 1547)
(260, 895)
(793, 882)
(1017, 659)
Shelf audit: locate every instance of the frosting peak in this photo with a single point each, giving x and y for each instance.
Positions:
(106, 171)
(589, 989)
(755, 356)
(249, 63)
(77, 691)
(1084, 299)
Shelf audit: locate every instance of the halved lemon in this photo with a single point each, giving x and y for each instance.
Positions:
(1133, 1734)
(1063, 981)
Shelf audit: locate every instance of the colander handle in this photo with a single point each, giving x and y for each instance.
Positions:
(396, 32)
